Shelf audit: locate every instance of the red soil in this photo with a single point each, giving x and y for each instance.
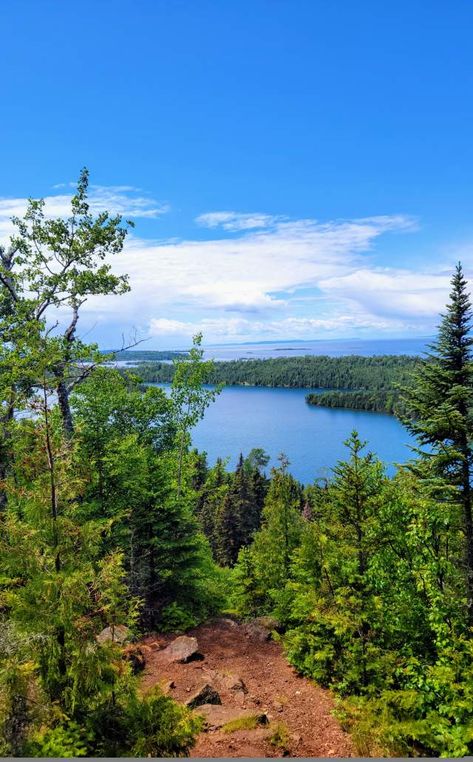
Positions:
(291, 702)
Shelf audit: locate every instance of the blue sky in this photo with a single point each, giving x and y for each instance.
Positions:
(296, 169)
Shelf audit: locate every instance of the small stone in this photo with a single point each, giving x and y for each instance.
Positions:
(206, 694)
(234, 683)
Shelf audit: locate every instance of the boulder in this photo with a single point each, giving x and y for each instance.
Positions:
(183, 649)
(217, 716)
(117, 633)
(206, 694)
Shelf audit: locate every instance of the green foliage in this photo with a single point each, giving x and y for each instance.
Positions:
(264, 567)
(65, 740)
(158, 727)
(279, 737)
(97, 523)
(355, 372)
(439, 406)
(378, 400)
(242, 723)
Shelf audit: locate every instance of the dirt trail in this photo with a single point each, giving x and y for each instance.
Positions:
(300, 710)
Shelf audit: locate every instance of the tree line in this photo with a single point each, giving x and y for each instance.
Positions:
(356, 382)
(372, 581)
(379, 401)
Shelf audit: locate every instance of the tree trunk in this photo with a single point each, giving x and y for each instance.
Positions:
(65, 409)
(5, 455)
(468, 521)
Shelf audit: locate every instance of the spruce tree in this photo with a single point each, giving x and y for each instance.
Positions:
(281, 528)
(231, 521)
(210, 501)
(439, 406)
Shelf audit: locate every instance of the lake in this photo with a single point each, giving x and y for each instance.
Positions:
(279, 420)
(328, 347)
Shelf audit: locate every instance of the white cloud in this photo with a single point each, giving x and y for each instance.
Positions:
(235, 221)
(273, 277)
(120, 199)
(254, 271)
(239, 329)
(393, 292)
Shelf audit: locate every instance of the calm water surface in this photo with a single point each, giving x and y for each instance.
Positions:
(279, 420)
(329, 347)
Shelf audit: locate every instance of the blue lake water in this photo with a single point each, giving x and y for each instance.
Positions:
(279, 420)
(329, 347)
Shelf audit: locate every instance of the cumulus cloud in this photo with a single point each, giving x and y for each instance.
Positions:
(392, 292)
(253, 271)
(257, 275)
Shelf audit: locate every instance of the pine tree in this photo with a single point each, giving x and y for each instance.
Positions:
(439, 404)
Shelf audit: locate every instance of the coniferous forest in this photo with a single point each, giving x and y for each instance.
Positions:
(357, 382)
(110, 519)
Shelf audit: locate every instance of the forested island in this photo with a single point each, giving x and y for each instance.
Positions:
(113, 527)
(378, 401)
(144, 355)
(362, 383)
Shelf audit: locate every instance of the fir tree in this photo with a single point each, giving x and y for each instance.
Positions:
(439, 402)
(210, 501)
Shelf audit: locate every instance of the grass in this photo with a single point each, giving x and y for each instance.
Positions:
(280, 736)
(249, 722)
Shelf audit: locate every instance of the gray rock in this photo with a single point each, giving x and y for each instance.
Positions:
(183, 649)
(117, 634)
(234, 683)
(206, 694)
(218, 716)
(261, 628)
